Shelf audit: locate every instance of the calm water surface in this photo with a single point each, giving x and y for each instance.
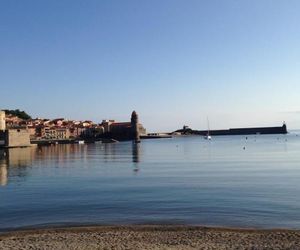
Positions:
(229, 181)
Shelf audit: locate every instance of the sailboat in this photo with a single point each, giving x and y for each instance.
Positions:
(207, 136)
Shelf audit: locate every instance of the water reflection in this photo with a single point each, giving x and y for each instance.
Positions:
(17, 162)
(3, 168)
(156, 180)
(135, 152)
(136, 156)
(14, 161)
(109, 151)
(20, 157)
(61, 154)
(3, 175)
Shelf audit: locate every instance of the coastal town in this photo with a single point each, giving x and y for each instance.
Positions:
(16, 131)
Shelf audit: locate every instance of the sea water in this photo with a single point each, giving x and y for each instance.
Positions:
(231, 181)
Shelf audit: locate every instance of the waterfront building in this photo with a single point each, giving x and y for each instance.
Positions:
(76, 131)
(13, 121)
(15, 137)
(2, 120)
(48, 133)
(62, 133)
(32, 131)
(56, 133)
(123, 130)
(61, 129)
(106, 125)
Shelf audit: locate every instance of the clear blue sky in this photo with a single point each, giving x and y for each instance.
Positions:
(174, 61)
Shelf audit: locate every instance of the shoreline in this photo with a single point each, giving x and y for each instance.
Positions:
(175, 227)
(150, 237)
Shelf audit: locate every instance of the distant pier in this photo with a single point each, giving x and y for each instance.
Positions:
(237, 131)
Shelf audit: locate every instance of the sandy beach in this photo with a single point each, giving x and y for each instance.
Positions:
(150, 237)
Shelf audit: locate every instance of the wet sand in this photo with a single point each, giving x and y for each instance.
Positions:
(150, 237)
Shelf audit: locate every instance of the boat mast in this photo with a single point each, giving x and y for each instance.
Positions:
(208, 129)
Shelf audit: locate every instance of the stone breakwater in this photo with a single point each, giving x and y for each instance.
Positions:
(150, 237)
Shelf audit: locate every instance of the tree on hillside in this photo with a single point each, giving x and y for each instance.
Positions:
(21, 114)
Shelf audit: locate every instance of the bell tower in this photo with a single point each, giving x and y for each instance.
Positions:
(135, 127)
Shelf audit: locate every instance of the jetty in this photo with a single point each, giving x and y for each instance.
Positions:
(236, 131)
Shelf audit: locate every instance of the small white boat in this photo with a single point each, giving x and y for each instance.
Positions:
(207, 136)
(81, 142)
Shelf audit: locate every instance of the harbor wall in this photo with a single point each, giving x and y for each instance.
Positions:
(238, 131)
(15, 138)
